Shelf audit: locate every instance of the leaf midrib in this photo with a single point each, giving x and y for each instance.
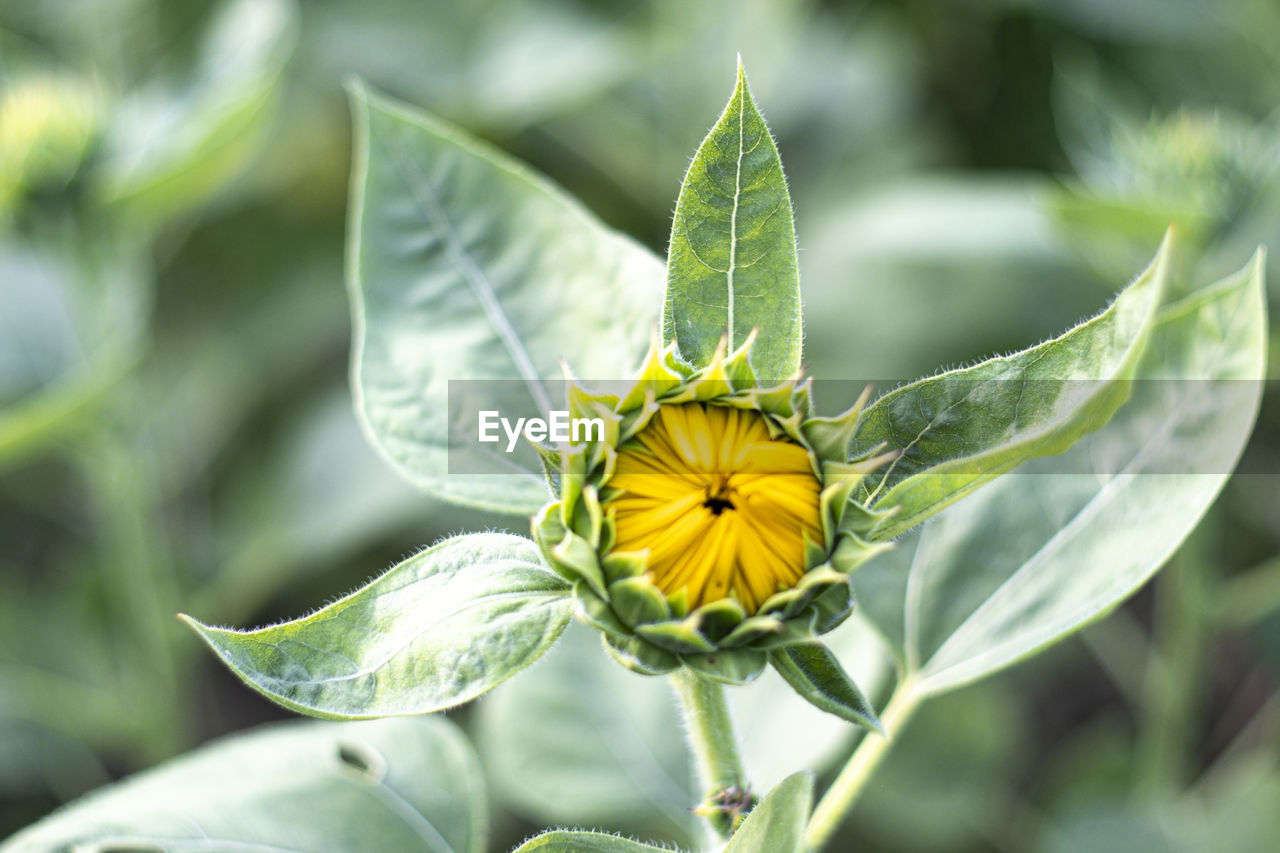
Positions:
(369, 669)
(733, 214)
(481, 287)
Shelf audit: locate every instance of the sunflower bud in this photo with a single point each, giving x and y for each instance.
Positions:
(715, 521)
(47, 125)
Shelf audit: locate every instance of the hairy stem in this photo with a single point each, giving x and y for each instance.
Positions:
(725, 798)
(845, 790)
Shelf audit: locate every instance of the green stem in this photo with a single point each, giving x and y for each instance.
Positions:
(715, 751)
(845, 790)
(1174, 687)
(1251, 595)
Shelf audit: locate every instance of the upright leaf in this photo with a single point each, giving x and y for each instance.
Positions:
(777, 824)
(168, 148)
(961, 429)
(731, 265)
(390, 786)
(441, 628)
(466, 266)
(1035, 556)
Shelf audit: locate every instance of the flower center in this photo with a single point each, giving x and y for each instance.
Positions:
(722, 506)
(719, 496)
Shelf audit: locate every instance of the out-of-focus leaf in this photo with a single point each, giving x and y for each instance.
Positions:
(1042, 552)
(70, 328)
(959, 430)
(322, 497)
(777, 823)
(519, 63)
(944, 784)
(949, 268)
(731, 265)
(580, 740)
(464, 266)
(437, 630)
(390, 785)
(1232, 810)
(168, 148)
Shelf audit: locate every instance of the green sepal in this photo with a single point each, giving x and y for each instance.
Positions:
(678, 636)
(789, 602)
(776, 401)
(860, 519)
(832, 438)
(589, 516)
(751, 629)
(731, 666)
(548, 529)
(815, 553)
(637, 601)
(638, 656)
(623, 564)
(573, 475)
(679, 601)
(718, 618)
(852, 551)
(584, 403)
(597, 613)
(815, 674)
(798, 629)
(839, 481)
(578, 556)
(832, 607)
(638, 418)
(549, 461)
(656, 377)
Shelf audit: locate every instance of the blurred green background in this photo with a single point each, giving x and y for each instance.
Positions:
(968, 177)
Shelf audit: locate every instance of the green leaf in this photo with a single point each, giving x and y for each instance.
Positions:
(391, 785)
(961, 429)
(581, 740)
(171, 147)
(441, 628)
(466, 266)
(731, 265)
(1038, 555)
(584, 841)
(814, 673)
(777, 824)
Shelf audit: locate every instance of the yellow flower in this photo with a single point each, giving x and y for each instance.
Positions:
(722, 507)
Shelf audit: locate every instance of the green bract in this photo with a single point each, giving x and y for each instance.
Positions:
(653, 633)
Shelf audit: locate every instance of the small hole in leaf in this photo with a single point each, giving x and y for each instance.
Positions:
(362, 759)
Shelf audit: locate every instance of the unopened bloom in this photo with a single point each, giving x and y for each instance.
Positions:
(722, 507)
(714, 522)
